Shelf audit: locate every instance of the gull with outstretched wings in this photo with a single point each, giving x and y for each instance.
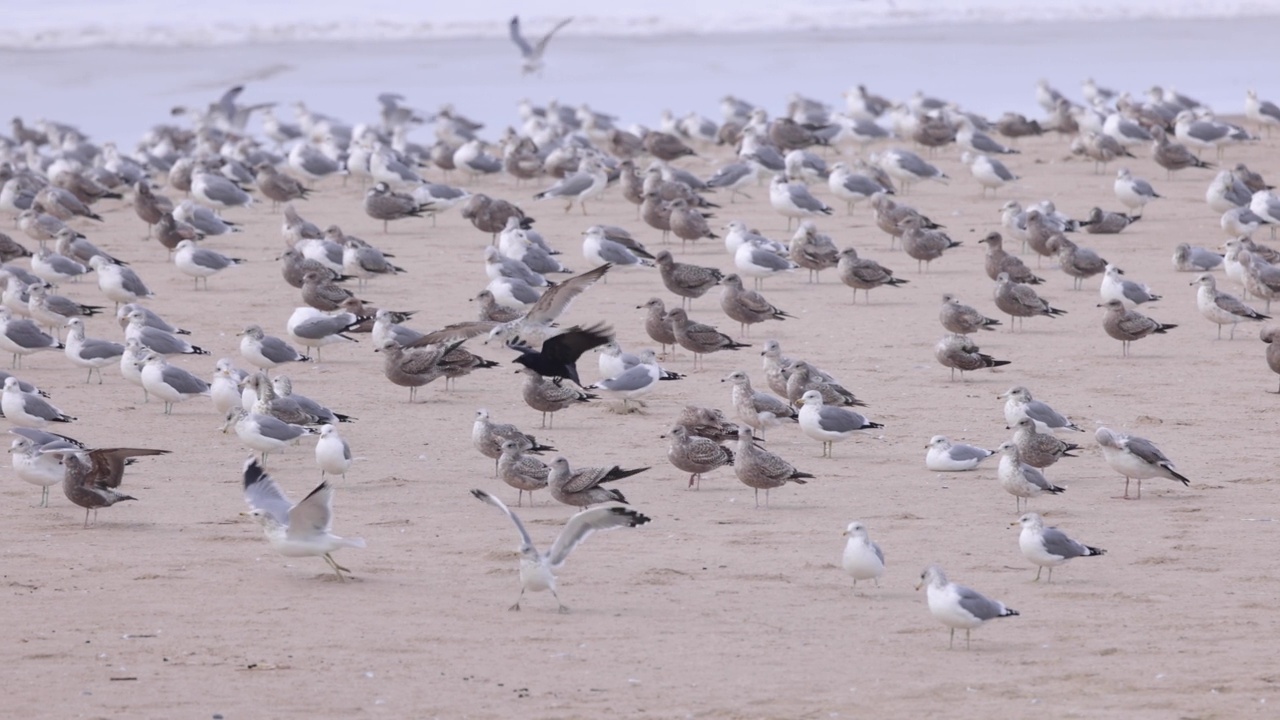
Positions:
(532, 54)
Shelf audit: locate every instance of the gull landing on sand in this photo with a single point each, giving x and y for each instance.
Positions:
(537, 569)
(301, 530)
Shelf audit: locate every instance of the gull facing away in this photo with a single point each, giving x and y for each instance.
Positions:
(957, 606)
(958, 352)
(531, 55)
(962, 319)
(1222, 308)
(1049, 547)
(862, 559)
(1135, 458)
(92, 476)
(946, 456)
(537, 569)
(302, 530)
(829, 424)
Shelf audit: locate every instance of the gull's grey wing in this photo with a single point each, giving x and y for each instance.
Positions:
(557, 299)
(1041, 412)
(542, 44)
(26, 334)
(526, 543)
(913, 164)
(518, 38)
(277, 350)
(131, 282)
(586, 522)
(879, 553)
(573, 185)
(318, 327)
(1057, 543)
(773, 261)
(1144, 449)
(210, 259)
(616, 253)
(1233, 305)
(979, 605)
(1035, 477)
(278, 429)
(631, 379)
(522, 291)
(314, 514)
(35, 405)
(804, 199)
(183, 381)
(835, 419)
(1001, 171)
(163, 342)
(262, 493)
(765, 402)
(967, 452)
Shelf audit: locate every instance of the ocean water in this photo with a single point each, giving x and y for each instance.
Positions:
(81, 23)
(115, 72)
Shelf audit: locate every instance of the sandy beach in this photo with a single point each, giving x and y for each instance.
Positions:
(175, 606)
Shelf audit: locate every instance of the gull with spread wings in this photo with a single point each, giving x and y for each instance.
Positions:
(532, 54)
(302, 530)
(537, 569)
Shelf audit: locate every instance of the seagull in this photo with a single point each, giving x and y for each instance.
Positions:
(1049, 547)
(829, 424)
(1135, 458)
(33, 465)
(92, 476)
(168, 382)
(1019, 404)
(531, 55)
(28, 409)
(945, 456)
(537, 569)
(302, 530)
(957, 606)
(1222, 308)
(863, 559)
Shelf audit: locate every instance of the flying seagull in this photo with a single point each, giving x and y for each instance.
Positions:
(532, 54)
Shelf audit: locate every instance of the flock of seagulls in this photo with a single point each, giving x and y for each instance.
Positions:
(186, 186)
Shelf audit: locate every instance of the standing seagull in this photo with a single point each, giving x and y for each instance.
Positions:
(862, 559)
(957, 606)
(1222, 308)
(1049, 547)
(1135, 458)
(302, 530)
(93, 476)
(531, 55)
(537, 570)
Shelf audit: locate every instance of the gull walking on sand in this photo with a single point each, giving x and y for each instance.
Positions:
(1222, 308)
(1135, 458)
(990, 173)
(263, 433)
(31, 464)
(698, 338)
(762, 470)
(1049, 547)
(827, 424)
(90, 353)
(945, 456)
(906, 167)
(862, 558)
(1115, 286)
(748, 307)
(958, 607)
(488, 437)
(685, 279)
(1128, 325)
(301, 530)
(22, 337)
(537, 569)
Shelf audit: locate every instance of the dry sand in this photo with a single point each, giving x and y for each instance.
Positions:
(173, 606)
